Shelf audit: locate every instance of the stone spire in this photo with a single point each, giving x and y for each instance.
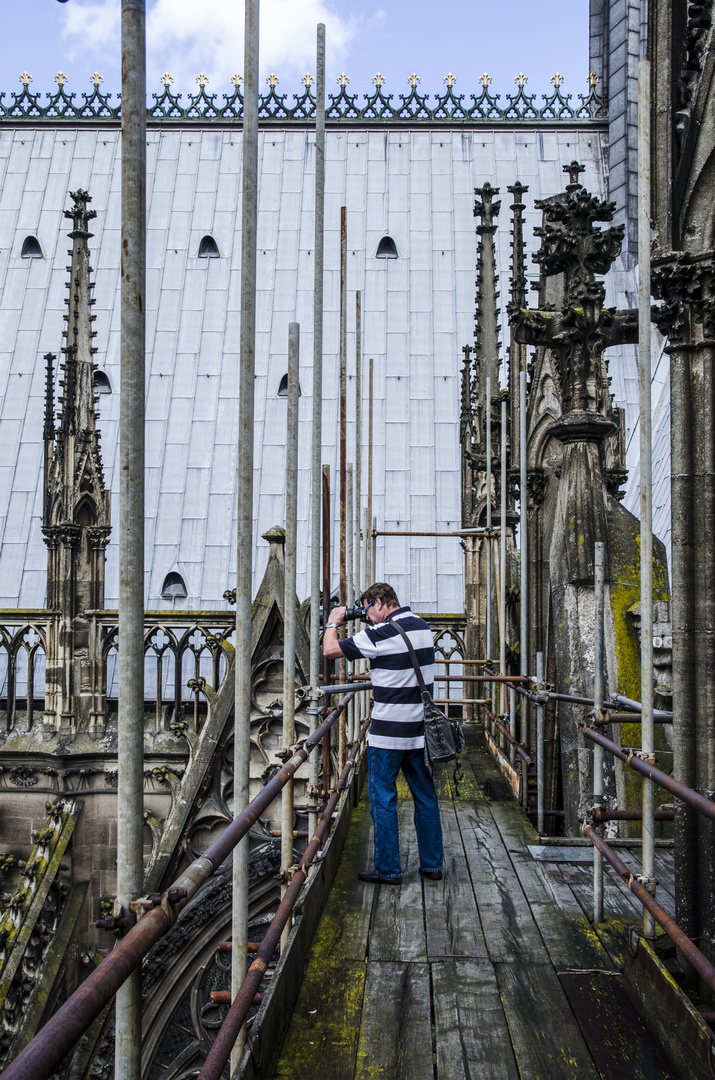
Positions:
(76, 519)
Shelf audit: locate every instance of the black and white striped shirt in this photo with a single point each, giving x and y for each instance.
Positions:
(398, 714)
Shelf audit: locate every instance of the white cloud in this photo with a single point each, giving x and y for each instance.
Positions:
(185, 38)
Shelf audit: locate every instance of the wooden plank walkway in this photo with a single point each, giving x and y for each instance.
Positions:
(494, 972)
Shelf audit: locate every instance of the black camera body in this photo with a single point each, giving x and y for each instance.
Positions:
(352, 613)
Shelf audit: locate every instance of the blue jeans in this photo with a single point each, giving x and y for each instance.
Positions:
(383, 767)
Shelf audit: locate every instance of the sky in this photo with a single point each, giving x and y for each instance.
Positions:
(395, 37)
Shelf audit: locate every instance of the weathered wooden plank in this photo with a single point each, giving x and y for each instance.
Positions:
(343, 930)
(568, 934)
(451, 919)
(508, 925)
(467, 785)
(397, 931)
(471, 1033)
(615, 1034)
(323, 1035)
(545, 1036)
(395, 1033)
(668, 1014)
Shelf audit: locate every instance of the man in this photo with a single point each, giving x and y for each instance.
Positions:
(396, 736)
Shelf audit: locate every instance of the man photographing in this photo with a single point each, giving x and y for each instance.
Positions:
(396, 736)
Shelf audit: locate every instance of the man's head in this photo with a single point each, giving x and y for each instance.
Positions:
(380, 600)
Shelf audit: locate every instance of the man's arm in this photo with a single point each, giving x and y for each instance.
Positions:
(331, 644)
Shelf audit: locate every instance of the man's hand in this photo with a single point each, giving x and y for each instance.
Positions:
(337, 616)
(331, 645)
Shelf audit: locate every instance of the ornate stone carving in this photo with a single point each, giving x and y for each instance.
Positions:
(686, 285)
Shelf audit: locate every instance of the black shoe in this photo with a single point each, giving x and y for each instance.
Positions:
(378, 879)
(432, 875)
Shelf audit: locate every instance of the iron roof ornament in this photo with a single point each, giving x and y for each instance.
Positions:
(446, 108)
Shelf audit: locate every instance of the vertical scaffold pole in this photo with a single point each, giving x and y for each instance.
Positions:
(540, 747)
(598, 596)
(349, 597)
(488, 613)
(502, 562)
(327, 664)
(289, 606)
(358, 442)
(523, 556)
(342, 479)
(130, 720)
(244, 527)
(370, 521)
(317, 427)
(646, 463)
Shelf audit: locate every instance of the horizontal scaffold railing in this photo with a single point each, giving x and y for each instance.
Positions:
(62, 1031)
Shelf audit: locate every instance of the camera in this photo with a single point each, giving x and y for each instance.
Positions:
(354, 613)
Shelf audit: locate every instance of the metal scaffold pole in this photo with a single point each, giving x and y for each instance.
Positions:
(130, 719)
(342, 478)
(540, 747)
(523, 556)
(502, 561)
(598, 599)
(370, 520)
(289, 604)
(646, 479)
(488, 613)
(317, 418)
(244, 539)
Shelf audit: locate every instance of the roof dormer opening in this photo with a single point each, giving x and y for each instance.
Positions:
(386, 249)
(31, 248)
(173, 587)
(283, 387)
(208, 248)
(101, 381)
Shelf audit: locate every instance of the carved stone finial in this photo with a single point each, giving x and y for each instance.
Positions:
(167, 79)
(25, 78)
(574, 170)
(202, 79)
(272, 80)
(96, 78)
(485, 80)
(521, 80)
(413, 80)
(557, 80)
(79, 214)
(307, 80)
(378, 80)
(61, 78)
(237, 80)
(593, 79)
(486, 208)
(450, 80)
(343, 79)
(49, 430)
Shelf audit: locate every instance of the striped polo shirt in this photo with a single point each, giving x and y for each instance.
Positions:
(398, 719)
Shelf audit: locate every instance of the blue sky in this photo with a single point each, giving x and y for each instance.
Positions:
(395, 37)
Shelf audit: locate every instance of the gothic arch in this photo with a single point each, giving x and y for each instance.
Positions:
(85, 512)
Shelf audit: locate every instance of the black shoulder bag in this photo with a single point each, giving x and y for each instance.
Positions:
(444, 738)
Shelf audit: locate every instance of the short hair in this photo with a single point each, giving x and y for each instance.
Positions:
(380, 591)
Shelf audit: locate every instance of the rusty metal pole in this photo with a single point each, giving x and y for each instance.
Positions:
(646, 479)
(370, 521)
(598, 602)
(130, 719)
(540, 747)
(488, 613)
(523, 556)
(317, 428)
(327, 664)
(342, 487)
(349, 595)
(358, 547)
(289, 604)
(244, 526)
(502, 560)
